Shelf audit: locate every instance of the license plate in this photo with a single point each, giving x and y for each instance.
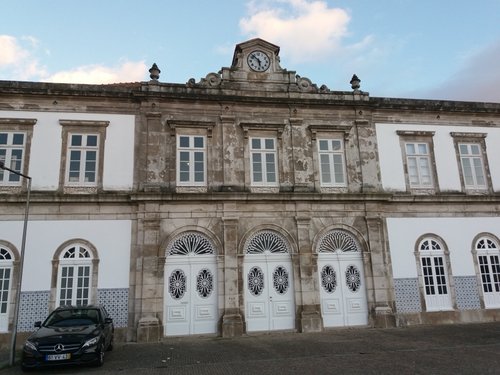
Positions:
(57, 357)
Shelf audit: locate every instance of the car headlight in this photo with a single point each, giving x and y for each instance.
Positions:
(91, 342)
(30, 345)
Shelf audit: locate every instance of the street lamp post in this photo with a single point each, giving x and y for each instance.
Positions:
(21, 264)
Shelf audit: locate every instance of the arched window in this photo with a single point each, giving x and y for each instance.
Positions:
(488, 260)
(74, 276)
(337, 241)
(434, 274)
(191, 243)
(6, 263)
(267, 242)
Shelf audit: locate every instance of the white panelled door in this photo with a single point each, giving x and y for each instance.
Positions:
(341, 281)
(190, 293)
(269, 293)
(342, 290)
(268, 283)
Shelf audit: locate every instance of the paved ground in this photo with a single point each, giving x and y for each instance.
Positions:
(453, 349)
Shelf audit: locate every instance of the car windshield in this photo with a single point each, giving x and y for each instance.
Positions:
(72, 317)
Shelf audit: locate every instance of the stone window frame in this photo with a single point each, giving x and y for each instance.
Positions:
(330, 131)
(409, 136)
(263, 152)
(447, 267)
(479, 139)
(192, 128)
(263, 130)
(475, 253)
(19, 125)
(83, 127)
(192, 150)
(56, 268)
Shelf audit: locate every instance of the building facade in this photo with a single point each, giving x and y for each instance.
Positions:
(251, 200)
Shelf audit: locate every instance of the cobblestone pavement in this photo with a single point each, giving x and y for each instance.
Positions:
(450, 349)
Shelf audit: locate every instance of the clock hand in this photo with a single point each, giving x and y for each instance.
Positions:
(256, 58)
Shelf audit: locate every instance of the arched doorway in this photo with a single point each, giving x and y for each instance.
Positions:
(488, 261)
(268, 283)
(190, 295)
(6, 265)
(341, 280)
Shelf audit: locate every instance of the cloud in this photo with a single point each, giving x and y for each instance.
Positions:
(19, 61)
(10, 51)
(305, 29)
(477, 80)
(99, 74)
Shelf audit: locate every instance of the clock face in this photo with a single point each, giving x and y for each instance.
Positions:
(258, 61)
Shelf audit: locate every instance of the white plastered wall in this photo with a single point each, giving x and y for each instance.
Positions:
(457, 233)
(112, 239)
(45, 159)
(391, 157)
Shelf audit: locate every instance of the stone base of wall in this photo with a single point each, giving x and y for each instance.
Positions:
(448, 317)
(232, 325)
(310, 321)
(149, 329)
(384, 318)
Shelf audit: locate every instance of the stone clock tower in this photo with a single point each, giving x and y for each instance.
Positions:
(257, 61)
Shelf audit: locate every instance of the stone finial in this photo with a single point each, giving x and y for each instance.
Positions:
(154, 72)
(355, 82)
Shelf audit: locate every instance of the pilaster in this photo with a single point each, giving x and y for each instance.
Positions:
(384, 315)
(233, 174)
(310, 317)
(148, 292)
(232, 321)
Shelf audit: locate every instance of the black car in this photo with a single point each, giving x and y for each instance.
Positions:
(70, 335)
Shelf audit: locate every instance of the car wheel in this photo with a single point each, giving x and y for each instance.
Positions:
(100, 355)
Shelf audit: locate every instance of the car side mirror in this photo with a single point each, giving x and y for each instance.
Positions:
(38, 324)
(108, 321)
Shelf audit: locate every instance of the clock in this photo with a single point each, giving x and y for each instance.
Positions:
(258, 61)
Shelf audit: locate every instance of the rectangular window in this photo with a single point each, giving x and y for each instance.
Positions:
(332, 162)
(83, 286)
(419, 165)
(12, 147)
(75, 286)
(263, 157)
(66, 291)
(489, 266)
(471, 160)
(191, 160)
(428, 276)
(83, 153)
(4, 289)
(434, 275)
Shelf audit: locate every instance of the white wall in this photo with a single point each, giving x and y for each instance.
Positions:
(447, 168)
(457, 233)
(46, 150)
(112, 239)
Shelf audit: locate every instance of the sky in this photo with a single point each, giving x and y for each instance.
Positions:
(422, 49)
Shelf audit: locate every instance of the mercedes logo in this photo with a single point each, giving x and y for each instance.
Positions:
(59, 348)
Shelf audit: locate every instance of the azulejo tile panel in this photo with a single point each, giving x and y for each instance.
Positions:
(407, 295)
(34, 306)
(467, 293)
(116, 303)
